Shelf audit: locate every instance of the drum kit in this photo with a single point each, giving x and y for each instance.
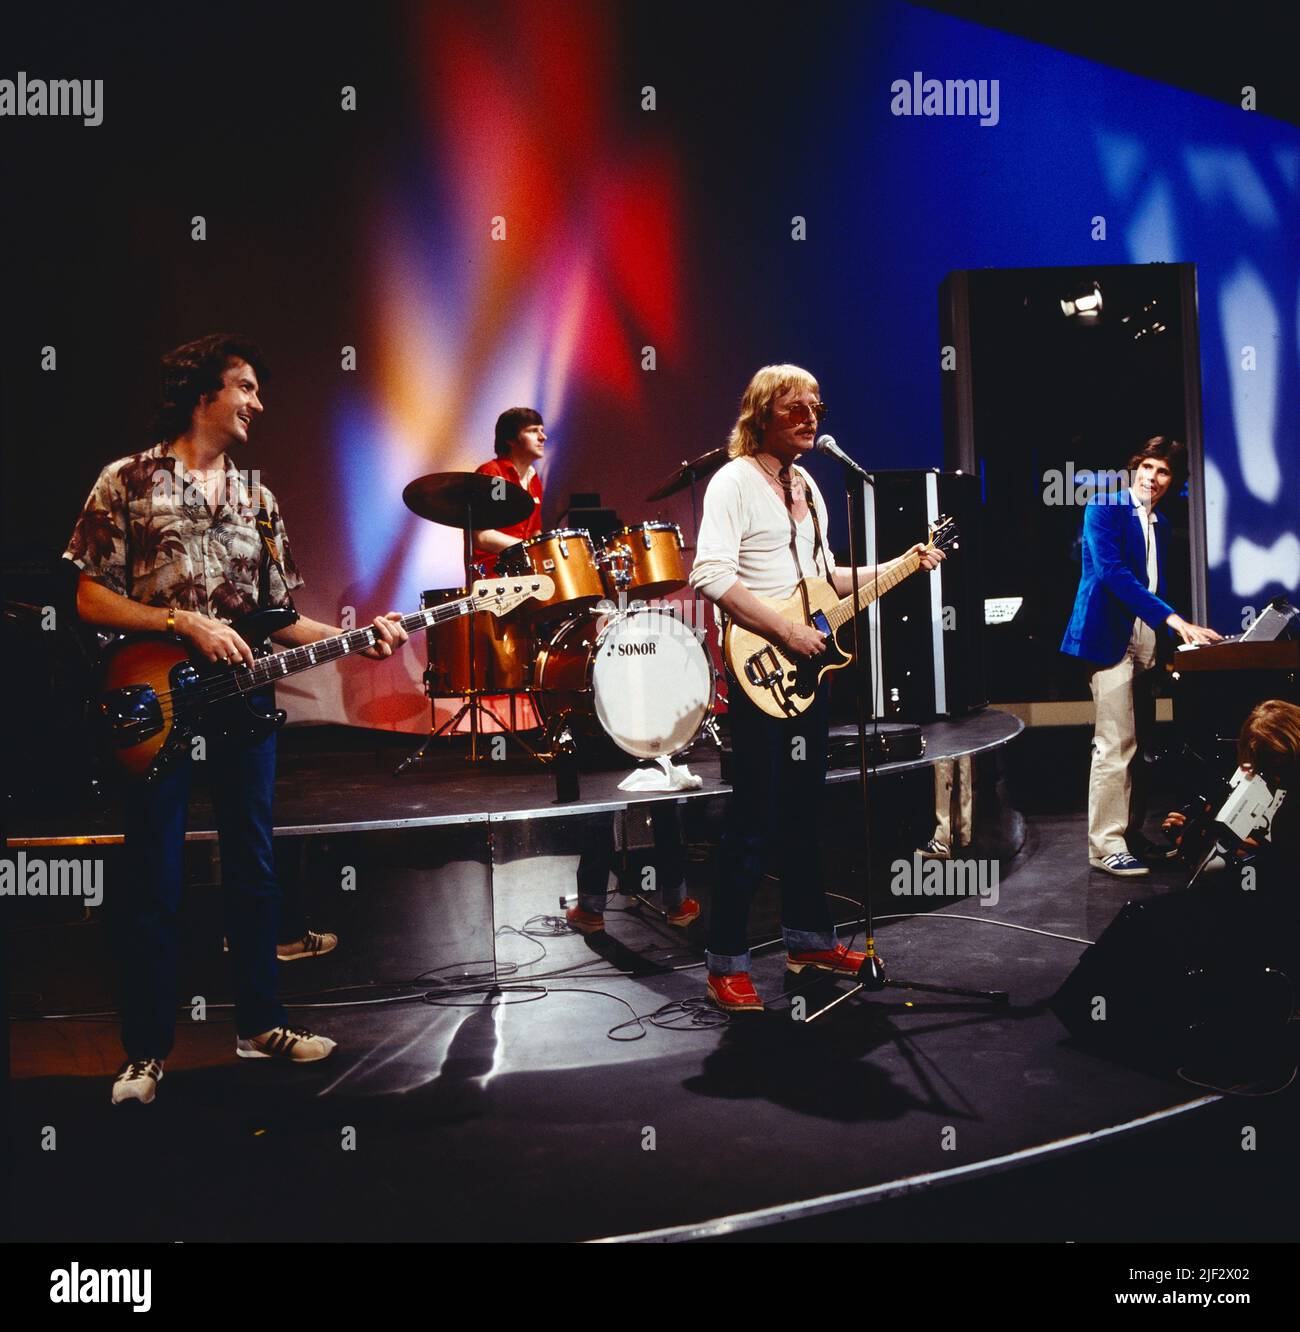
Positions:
(604, 659)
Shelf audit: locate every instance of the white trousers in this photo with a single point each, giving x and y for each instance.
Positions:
(953, 802)
(1114, 747)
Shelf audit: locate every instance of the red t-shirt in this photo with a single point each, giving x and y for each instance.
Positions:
(528, 527)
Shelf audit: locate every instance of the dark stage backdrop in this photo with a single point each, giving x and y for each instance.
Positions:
(648, 170)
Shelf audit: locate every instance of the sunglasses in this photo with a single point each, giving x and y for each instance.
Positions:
(802, 411)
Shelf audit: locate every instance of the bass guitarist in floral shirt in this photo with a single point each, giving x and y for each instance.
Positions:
(169, 542)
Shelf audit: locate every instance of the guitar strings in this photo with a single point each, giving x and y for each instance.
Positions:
(220, 688)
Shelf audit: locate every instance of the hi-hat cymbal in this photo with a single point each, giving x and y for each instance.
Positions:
(468, 499)
(695, 470)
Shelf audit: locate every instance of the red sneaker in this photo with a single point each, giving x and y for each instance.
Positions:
(585, 922)
(839, 959)
(735, 993)
(682, 916)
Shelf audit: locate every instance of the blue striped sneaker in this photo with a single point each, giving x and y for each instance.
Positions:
(1121, 865)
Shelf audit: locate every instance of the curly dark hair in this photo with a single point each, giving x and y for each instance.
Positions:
(510, 423)
(195, 369)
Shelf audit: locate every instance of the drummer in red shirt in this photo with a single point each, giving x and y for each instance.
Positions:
(520, 441)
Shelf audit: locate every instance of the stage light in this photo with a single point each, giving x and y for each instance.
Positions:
(1084, 301)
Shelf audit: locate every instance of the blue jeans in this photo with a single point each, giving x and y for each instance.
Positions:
(778, 771)
(145, 910)
(597, 858)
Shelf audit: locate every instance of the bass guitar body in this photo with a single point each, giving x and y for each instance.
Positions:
(776, 683)
(152, 699)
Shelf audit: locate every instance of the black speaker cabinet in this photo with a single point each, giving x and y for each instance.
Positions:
(927, 632)
(1204, 977)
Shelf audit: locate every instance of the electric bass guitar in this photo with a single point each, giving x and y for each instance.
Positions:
(783, 685)
(154, 700)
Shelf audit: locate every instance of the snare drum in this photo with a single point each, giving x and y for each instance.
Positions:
(641, 677)
(645, 561)
(502, 650)
(566, 555)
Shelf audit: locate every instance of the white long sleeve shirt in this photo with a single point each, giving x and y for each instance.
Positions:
(745, 535)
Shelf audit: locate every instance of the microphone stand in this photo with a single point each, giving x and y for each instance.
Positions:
(871, 974)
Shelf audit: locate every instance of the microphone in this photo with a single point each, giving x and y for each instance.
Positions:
(827, 445)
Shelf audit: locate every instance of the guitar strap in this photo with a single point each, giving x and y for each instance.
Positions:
(270, 554)
(818, 544)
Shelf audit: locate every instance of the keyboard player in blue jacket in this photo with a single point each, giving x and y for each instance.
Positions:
(1118, 611)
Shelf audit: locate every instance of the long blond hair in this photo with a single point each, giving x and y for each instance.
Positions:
(756, 404)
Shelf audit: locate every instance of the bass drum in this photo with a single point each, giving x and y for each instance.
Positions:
(642, 677)
(502, 651)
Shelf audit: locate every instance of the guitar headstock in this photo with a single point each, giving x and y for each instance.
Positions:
(502, 595)
(943, 534)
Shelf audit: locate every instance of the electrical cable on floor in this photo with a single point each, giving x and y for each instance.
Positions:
(678, 1015)
(475, 982)
(534, 928)
(490, 992)
(952, 915)
(1240, 1089)
(696, 1013)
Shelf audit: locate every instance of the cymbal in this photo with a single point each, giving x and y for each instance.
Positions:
(468, 499)
(695, 470)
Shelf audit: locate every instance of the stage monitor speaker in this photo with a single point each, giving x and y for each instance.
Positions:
(1202, 979)
(930, 661)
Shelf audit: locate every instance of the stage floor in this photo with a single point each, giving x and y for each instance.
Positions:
(320, 789)
(450, 1116)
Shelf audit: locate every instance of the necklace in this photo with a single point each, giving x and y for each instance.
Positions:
(786, 485)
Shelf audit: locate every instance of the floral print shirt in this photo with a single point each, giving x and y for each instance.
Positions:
(148, 532)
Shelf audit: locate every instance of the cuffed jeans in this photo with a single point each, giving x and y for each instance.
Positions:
(145, 910)
(778, 769)
(597, 859)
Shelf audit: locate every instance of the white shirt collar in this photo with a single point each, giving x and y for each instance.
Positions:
(1141, 508)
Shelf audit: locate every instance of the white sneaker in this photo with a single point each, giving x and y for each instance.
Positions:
(292, 1043)
(138, 1081)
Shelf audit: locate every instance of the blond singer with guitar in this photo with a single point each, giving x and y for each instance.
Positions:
(764, 531)
(176, 541)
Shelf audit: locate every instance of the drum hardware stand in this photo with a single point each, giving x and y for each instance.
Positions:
(871, 975)
(474, 706)
(472, 702)
(619, 564)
